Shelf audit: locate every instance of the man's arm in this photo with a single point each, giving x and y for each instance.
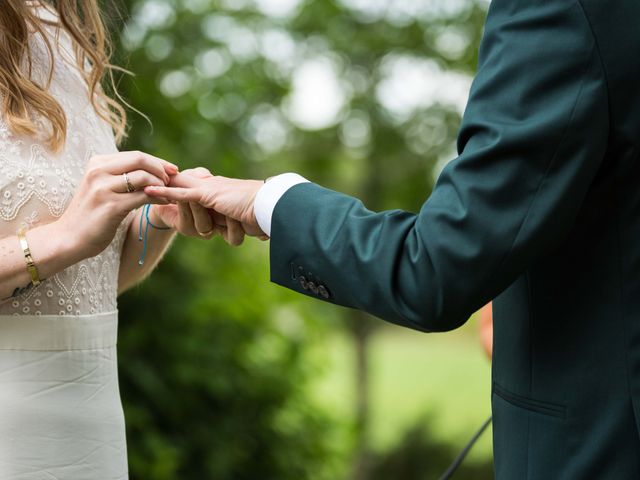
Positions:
(533, 137)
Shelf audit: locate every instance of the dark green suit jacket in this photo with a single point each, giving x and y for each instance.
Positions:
(541, 212)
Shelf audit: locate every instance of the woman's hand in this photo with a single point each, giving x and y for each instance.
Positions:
(102, 200)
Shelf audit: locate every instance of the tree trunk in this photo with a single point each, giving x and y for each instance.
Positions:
(360, 329)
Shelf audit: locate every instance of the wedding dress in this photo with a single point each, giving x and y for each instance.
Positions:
(60, 410)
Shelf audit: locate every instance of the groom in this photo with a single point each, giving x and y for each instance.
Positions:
(540, 211)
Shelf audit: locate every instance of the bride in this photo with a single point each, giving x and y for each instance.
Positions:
(75, 230)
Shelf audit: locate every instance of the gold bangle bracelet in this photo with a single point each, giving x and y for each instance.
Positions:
(31, 266)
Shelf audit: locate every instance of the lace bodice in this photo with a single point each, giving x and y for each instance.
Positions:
(36, 186)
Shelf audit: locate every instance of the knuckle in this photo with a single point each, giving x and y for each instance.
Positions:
(102, 190)
(202, 172)
(142, 159)
(93, 172)
(152, 180)
(139, 158)
(155, 182)
(109, 206)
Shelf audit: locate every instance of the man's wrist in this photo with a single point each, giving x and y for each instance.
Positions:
(269, 195)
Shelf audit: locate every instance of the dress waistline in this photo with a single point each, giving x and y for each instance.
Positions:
(58, 332)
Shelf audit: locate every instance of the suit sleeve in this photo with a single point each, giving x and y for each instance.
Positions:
(532, 139)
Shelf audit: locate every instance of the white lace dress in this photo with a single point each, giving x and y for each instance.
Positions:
(60, 410)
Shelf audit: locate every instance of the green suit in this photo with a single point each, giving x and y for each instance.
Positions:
(541, 212)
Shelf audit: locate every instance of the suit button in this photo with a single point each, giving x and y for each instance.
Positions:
(323, 292)
(313, 288)
(303, 282)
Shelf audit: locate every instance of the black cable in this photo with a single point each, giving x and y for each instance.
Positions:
(461, 456)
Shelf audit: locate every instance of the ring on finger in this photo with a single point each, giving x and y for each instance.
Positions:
(130, 187)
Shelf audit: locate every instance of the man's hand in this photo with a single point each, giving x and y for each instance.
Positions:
(229, 200)
(188, 219)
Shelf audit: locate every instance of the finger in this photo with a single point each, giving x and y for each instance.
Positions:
(212, 233)
(185, 180)
(129, 161)
(202, 220)
(218, 218)
(186, 218)
(174, 194)
(134, 200)
(234, 233)
(138, 179)
(169, 168)
(217, 230)
(252, 230)
(198, 172)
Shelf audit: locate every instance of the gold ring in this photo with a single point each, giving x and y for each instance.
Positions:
(130, 187)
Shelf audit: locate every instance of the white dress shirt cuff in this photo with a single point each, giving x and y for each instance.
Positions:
(269, 195)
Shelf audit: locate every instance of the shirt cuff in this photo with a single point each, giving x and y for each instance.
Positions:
(269, 195)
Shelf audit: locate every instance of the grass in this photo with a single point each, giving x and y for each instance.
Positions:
(442, 380)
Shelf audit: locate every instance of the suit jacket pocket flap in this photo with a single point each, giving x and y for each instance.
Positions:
(545, 408)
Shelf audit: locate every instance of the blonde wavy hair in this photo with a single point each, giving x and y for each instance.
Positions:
(23, 99)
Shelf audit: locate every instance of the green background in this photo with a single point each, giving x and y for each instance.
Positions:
(226, 376)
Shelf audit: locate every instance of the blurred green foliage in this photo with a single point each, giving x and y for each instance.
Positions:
(420, 456)
(211, 377)
(360, 96)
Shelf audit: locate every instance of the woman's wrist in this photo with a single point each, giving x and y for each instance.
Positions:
(53, 248)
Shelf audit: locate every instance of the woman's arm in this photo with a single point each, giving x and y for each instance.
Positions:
(89, 223)
(53, 249)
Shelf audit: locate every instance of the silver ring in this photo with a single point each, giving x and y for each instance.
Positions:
(130, 187)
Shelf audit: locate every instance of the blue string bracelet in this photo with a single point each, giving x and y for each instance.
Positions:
(144, 237)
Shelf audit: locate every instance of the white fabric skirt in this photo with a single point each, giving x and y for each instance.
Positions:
(60, 410)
